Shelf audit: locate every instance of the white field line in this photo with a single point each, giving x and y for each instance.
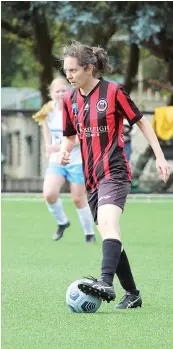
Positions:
(133, 196)
(139, 198)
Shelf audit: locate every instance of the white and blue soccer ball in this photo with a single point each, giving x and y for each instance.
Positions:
(79, 302)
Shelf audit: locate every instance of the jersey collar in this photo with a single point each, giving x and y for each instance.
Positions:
(92, 91)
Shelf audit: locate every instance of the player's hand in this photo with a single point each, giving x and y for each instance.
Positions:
(64, 158)
(163, 168)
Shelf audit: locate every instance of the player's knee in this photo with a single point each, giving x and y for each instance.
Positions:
(108, 228)
(108, 231)
(78, 201)
(49, 197)
(107, 224)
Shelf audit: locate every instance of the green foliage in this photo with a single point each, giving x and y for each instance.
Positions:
(87, 19)
(9, 51)
(19, 67)
(149, 24)
(147, 21)
(154, 68)
(76, 15)
(152, 20)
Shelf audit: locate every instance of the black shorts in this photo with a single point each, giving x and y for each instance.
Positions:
(109, 191)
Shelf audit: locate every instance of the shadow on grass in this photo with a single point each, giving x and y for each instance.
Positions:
(147, 310)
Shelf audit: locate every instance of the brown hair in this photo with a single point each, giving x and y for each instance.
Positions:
(86, 55)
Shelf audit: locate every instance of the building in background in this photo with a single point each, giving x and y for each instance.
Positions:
(25, 150)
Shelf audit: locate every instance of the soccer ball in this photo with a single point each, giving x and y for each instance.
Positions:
(79, 302)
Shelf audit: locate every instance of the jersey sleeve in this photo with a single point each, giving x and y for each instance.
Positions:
(68, 127)
(127, 107)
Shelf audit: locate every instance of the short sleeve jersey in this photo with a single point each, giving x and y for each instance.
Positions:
(97, 119)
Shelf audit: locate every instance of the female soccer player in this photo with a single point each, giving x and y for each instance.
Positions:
(51, 118)
(94, 110)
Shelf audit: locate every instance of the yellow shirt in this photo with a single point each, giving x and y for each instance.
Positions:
(163, 122)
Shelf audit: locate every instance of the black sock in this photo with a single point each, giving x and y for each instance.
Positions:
(124, 274)
(111, 256)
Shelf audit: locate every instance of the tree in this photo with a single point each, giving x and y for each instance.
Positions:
(19, 66)
(30, 22)
(48, 25)
(39, 24)
(149, 25)
(9, 50)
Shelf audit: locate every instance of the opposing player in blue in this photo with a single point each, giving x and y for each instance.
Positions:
(50, 117)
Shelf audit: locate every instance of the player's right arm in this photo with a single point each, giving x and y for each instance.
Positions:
(49, 147)
(47, 139)
(69, 136)
(46, 135)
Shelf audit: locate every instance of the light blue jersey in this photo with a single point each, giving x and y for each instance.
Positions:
(55, 124)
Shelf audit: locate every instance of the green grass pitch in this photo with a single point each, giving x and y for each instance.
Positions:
(37, 271)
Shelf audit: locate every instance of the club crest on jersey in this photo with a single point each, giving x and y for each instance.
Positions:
(102, 105)
(75, 108)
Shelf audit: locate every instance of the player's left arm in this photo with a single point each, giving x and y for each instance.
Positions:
(67, 145)
(128, 109)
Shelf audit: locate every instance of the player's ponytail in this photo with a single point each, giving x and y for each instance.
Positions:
(102, 64)
(86, 55)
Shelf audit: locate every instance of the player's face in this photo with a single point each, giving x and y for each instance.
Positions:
(76, 75)
(58, 91)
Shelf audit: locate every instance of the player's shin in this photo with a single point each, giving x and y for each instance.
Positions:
(124, 274)
(86, 220)
(58, 212)
(111, 256)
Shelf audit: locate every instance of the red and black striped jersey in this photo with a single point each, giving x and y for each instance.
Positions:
(97, 119)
